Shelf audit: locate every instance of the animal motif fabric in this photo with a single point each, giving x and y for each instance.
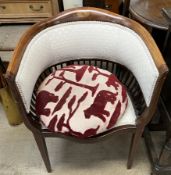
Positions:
(81, 101)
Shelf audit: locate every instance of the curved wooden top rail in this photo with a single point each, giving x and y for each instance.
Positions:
(85, 14)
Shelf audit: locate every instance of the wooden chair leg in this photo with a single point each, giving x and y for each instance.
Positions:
(41, 143)
(134, 143)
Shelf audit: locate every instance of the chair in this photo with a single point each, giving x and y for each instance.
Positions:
(89, 36)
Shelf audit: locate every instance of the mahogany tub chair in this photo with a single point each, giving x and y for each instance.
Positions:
(94, 42)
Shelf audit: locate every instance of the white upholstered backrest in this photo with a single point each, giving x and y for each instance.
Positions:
(88, 39)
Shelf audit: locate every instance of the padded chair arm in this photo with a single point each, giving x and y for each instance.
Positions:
(148, 113)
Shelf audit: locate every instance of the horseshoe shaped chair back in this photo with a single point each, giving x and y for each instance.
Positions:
(93, 37)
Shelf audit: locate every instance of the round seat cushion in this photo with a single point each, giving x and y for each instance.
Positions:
(81, 101)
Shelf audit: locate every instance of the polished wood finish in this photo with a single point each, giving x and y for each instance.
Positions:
(26, 10)
(92, 14)
(148, 12)
(40, 140)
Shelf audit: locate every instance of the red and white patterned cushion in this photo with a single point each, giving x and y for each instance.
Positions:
(81, 101)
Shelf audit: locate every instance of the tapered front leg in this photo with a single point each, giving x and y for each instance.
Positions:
(41, 143)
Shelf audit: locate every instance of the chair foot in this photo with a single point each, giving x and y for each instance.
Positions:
(133, 147)
(41, 143)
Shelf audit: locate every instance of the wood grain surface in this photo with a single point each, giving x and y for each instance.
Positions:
(149, 12)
